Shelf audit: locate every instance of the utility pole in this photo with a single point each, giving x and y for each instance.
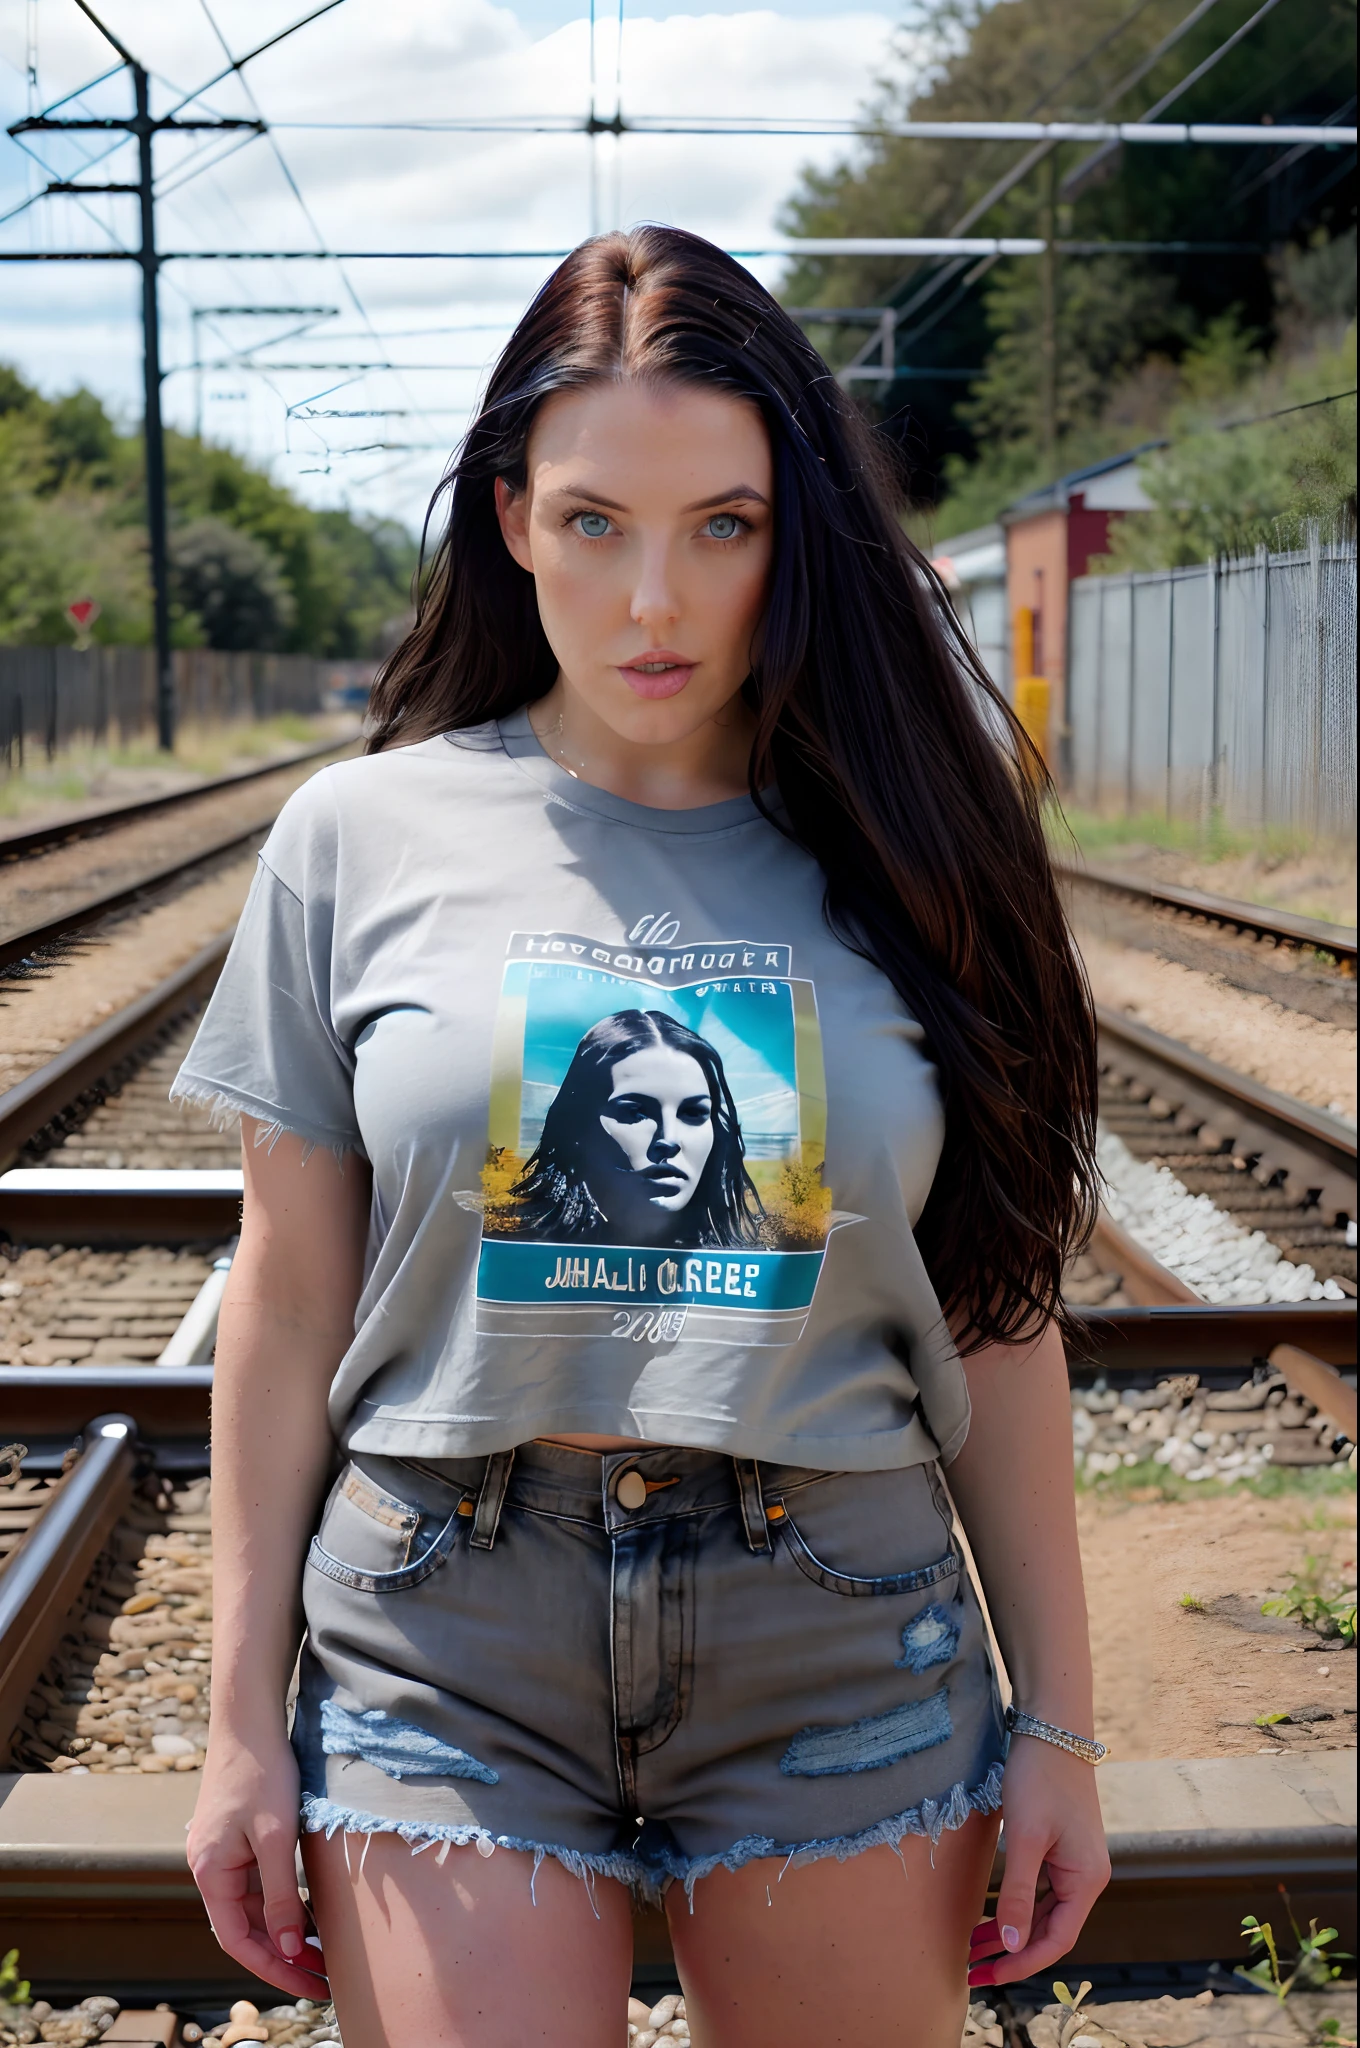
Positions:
(143, 127)
(1048, 317)
(153, 430)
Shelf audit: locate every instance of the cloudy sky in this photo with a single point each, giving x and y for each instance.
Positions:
(437, 322)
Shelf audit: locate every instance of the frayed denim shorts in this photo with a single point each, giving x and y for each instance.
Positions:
(645, 1664)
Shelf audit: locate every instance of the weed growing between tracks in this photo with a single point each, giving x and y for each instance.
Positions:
(1277, 870)
(1147, 1481)
(1307, 1599)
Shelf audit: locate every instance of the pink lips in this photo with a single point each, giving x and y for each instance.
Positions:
(659, 683)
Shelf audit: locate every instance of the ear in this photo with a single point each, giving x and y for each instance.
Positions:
(512, 510)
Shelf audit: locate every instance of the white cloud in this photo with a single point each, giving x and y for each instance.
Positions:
(408, 59)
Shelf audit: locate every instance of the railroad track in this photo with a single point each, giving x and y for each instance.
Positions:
(32, 946)
(93, 824)
(1331, 943)
(1272, 1163)
(115, 1499)
(130, 1054)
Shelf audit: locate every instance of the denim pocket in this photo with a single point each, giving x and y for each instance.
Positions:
(376, 1543)
(841, 1531)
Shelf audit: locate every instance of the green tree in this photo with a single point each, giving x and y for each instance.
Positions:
(231, 584)
(962, 59)
(1233, 476)
(72, 523)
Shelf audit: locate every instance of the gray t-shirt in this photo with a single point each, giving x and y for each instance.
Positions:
(647, 1141)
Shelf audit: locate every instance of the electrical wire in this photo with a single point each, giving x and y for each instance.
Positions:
(1075, 178)
(237, 65)
(1291, 157)
(1108, 99)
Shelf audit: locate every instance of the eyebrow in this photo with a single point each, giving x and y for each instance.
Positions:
(742, 491)
(747, 491)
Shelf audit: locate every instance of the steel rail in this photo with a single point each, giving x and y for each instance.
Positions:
(39, 838)
(1150, 1284)
(1284, 926)
(23, 945)
(32, 1103)
(46, 1570)
(1315, 1150)
(170, 1403)
(98, 1895)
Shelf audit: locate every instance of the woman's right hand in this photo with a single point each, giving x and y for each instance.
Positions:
(242, 1847)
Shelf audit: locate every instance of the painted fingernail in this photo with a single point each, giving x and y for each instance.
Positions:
(290, 1941)
(1010, 1937)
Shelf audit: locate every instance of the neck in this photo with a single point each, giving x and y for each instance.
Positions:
(706, 766)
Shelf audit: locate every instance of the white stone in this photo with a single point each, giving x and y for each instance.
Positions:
(172, 1745)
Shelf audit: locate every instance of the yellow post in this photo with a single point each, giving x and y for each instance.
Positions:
(1031, 708)
(1031, 691)
(1022, 641)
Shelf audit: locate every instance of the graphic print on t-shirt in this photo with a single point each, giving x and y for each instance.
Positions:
(657, 1134)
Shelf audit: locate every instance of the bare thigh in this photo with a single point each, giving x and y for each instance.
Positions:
(873, 1949)
(459, 1955)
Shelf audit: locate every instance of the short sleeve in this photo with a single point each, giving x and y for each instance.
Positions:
(267, 1047)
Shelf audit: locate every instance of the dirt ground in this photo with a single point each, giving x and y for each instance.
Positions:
(1290, 1052)
(1176, 1681)
(39, 1017)
(1318, 883)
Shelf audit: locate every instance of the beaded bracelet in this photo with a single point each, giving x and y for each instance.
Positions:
(1062, 1738)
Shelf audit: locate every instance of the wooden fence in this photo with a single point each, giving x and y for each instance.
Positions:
(53, 697)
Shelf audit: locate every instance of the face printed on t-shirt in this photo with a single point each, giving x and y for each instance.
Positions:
(651, 1142)
(652, 1109)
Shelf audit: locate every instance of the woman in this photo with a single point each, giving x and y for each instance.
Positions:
(593, 1618)
(642, 1144)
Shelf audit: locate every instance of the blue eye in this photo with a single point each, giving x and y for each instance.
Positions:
(593, 525)
(723, 526)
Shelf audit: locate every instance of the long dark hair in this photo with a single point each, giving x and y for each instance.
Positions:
(900, 768)
(724, 1210)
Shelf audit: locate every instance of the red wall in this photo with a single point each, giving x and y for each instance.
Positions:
(1088, 533)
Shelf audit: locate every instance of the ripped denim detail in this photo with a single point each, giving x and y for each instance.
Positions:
(870, 1744)
(931, 1639)
(397, 1747)
(931, 1819)
(325, 1817)
(649, 1881)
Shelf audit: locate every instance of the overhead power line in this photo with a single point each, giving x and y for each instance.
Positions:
(1241, 134)
(235, 65)
(790, 250)
(1074, 180)
(143, 127)
(980, 207)
(1149, 127)
(1282, 412)
(239, 363)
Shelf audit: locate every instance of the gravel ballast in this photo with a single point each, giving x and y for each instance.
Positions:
(1242, 2020)
(1287, 1051)
(73, 1306)
(1197, 1241)
(129, 1687)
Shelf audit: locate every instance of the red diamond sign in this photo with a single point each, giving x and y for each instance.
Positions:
(83, 613)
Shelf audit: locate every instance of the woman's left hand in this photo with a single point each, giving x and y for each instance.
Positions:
(1053, 1829)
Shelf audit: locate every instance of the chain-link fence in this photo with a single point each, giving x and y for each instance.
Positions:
(53, 697)
(1227, 688)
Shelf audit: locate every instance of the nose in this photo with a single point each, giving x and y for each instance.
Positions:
(662, 1148)
(655, 601)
